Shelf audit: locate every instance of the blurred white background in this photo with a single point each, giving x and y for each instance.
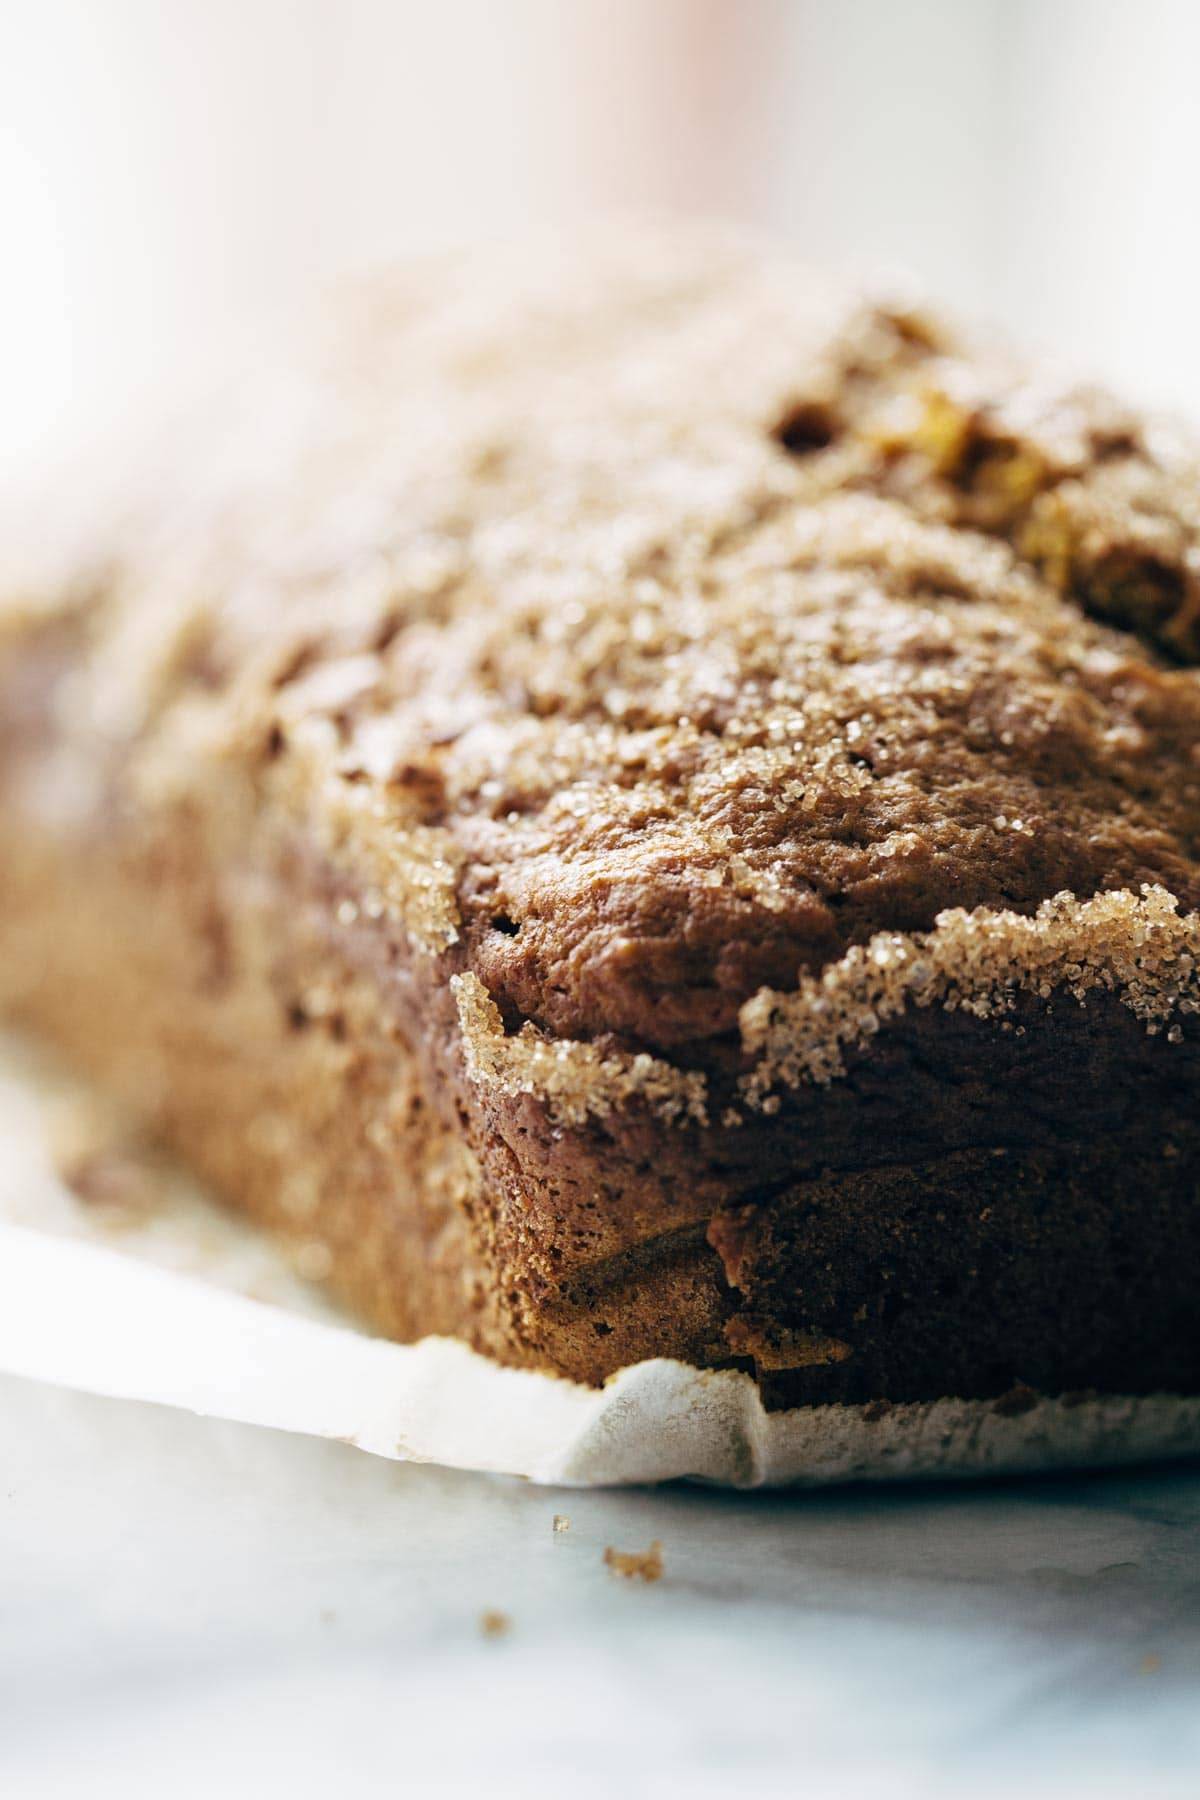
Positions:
(172, 172)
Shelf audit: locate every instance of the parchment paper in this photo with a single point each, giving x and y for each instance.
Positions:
(144, 1290)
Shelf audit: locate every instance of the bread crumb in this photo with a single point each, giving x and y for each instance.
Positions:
(99, 1157)
(494, 1624)
(1019, 1399)
(636, 1565)
(561, 1523)
(113, 1180)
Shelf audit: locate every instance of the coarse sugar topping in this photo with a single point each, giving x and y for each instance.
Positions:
(574, 1080)
(1137, 947)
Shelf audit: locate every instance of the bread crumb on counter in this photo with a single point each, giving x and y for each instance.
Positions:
(636, 1565)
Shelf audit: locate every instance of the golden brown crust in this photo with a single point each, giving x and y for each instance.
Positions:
(669, 688)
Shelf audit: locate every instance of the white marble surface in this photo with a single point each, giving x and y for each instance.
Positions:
(190, 1608)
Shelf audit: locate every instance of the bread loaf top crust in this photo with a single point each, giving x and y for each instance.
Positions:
(686, 653)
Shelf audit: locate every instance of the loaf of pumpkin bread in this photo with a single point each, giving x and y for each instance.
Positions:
(626, 803)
